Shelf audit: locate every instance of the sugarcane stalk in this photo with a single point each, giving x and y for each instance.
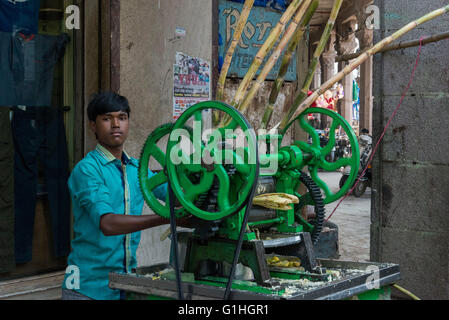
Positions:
(358, 61)
(260, 56)
(247, 6)
(316, 57)
(274, 56)
(263, 51)
(400, 45)
(286, 60)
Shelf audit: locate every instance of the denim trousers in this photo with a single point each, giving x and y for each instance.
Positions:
(39, 137)
(7, 259)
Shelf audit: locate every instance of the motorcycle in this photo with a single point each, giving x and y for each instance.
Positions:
(365, 142)
(342, 147)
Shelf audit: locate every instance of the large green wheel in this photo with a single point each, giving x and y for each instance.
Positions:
(317, 154)
(193, 174)
(148, 184)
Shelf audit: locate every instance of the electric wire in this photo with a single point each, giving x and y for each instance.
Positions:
(385, 129)
(406, 292)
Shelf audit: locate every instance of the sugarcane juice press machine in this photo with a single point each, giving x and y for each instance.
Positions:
(244, 243)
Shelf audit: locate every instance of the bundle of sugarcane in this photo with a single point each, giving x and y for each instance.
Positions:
(316, 56)
(286, 60)
(301, 107)
(277, 201)
(247, 6)
(302, 102)
(291, 30)
(263, 51)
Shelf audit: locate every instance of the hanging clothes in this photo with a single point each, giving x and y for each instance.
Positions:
(7, 258)
(355, 90)
(356, 101)
(19, 15)
(27, 65)
(39, 135)
(7, 79)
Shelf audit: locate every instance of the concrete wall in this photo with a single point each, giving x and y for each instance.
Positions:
(147, 54)
(410, 212)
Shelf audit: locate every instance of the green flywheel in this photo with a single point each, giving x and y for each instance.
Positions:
(195, 170)
(150, 183)
(317, 158)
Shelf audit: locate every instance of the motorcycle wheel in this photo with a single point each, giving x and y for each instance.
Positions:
(360, 189)
(343, 180)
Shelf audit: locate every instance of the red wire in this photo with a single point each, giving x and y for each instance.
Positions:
(386, 127)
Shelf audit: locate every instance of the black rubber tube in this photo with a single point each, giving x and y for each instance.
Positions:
(175, 241)
(248, 203)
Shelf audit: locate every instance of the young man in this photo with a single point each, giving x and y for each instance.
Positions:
(107, 206)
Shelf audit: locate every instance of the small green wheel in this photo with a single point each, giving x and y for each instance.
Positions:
(229, 173)
(148, 184)
(315, 155)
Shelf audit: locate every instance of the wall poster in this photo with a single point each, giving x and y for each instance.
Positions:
(191, 82)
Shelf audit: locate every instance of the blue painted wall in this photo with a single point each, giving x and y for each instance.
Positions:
(258, 27)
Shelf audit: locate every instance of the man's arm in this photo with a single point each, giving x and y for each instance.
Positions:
(119, 224)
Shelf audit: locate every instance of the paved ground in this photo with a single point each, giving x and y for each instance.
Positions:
(353, 220)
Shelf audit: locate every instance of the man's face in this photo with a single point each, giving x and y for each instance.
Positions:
(111, 129)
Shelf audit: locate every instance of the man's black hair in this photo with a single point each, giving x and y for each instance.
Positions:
(106, 102)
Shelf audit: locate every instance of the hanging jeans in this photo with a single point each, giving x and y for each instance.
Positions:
(39, 134)
(7, 260)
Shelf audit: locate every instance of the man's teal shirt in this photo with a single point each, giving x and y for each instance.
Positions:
(99, 185)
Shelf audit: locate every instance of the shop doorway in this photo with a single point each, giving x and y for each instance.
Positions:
(50, 237)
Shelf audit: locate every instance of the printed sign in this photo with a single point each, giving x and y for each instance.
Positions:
(257, 29)
(191, 82)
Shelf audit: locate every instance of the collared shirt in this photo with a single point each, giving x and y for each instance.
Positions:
(101, 184)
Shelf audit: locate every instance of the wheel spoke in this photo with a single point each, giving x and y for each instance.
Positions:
(156, 180)
(331, 143)
(310, 130)
(223, 191)
(343, 162)
(158, 154)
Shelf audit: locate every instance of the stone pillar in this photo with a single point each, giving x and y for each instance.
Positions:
(328, 69)
(347, 45)
(328, 58)
(365, 37)
(317, 77)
